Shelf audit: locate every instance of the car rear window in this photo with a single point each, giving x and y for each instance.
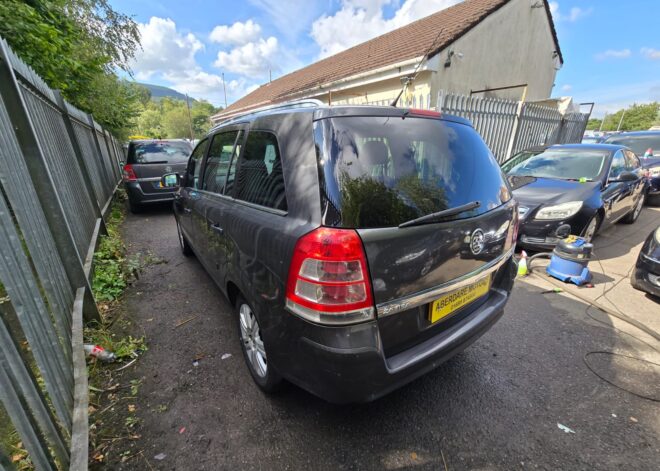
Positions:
(383, 171)
(638, 144)
(158, 152)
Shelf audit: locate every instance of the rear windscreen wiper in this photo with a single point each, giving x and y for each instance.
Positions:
(441, 214)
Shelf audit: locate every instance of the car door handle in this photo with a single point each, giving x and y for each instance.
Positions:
(217, 228)
(187, 210)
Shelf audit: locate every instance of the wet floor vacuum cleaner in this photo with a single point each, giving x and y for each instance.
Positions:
(569, 260)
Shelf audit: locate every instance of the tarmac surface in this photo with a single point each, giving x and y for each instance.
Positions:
(554, 385)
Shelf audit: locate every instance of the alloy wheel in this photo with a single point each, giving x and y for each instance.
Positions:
(251, 338)
(590, 231)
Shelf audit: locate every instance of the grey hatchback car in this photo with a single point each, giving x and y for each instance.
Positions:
(360, 246)
(146, 162)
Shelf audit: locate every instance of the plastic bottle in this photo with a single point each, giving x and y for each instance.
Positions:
(522, 264)
(99, 353)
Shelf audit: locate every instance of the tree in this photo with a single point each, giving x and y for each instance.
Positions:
(75, 46)
(594, 124)
(636, 118)
(170, 118)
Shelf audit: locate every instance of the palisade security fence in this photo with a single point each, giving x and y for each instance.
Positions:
(58, 173)
(510, 126)
(507, 126)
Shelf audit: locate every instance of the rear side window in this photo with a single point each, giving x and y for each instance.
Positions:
(218, 160)
(195, 164)
(158, 152)
(260, 179)
(382, 171)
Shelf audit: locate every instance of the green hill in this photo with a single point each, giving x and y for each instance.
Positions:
(158, 92)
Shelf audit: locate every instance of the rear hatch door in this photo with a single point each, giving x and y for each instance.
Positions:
(378, 172)
(153, 159)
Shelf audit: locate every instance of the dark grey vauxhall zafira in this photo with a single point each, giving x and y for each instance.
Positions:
(361, 246)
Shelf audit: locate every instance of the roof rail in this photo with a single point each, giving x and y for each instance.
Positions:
(309, 102)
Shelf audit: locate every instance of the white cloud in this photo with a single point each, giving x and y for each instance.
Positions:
(574, 14)
(650, 53)
(614, 54)
(253, 59)
(169, 55)
(360, 20)
(236, 34)
(566, 88)
(164, 49)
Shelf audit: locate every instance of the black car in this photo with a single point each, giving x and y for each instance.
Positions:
(336, 232)
(646, 144)
(574, 189)
(146, 162)
(646, 275)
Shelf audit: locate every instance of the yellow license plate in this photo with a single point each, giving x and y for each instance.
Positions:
(455, 300)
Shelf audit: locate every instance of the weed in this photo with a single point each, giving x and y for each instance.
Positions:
(131, 421)
(135, 386)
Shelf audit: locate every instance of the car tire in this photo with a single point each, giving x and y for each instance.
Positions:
(183, 242)
(591, 229)
(135, 208)
(632, 216)
(254, 350)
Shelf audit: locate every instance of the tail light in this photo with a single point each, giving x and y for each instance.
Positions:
(129, 173)
(328, 279)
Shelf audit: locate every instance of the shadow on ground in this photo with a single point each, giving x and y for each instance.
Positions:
(495, 406)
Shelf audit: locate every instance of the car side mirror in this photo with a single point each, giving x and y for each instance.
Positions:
(626, 176)
(170, 180)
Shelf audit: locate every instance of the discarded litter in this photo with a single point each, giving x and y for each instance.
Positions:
(100, 353)
(522, 264)
(225, 356)
(182, 430)
(614, 415)
(565, 428)
(183, 322)
(632, 419)
(195, 363)
(552, 291)
(160, 456)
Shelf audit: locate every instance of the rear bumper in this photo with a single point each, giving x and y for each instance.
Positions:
(348, 364)
(138, 196)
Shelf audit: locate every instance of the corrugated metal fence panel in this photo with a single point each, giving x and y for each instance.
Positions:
(64, 169)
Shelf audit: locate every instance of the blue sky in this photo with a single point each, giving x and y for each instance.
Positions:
(611, 48)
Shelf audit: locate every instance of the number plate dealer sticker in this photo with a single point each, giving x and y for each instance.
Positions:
(455, 300)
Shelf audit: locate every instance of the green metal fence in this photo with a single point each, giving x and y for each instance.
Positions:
(58, 172)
